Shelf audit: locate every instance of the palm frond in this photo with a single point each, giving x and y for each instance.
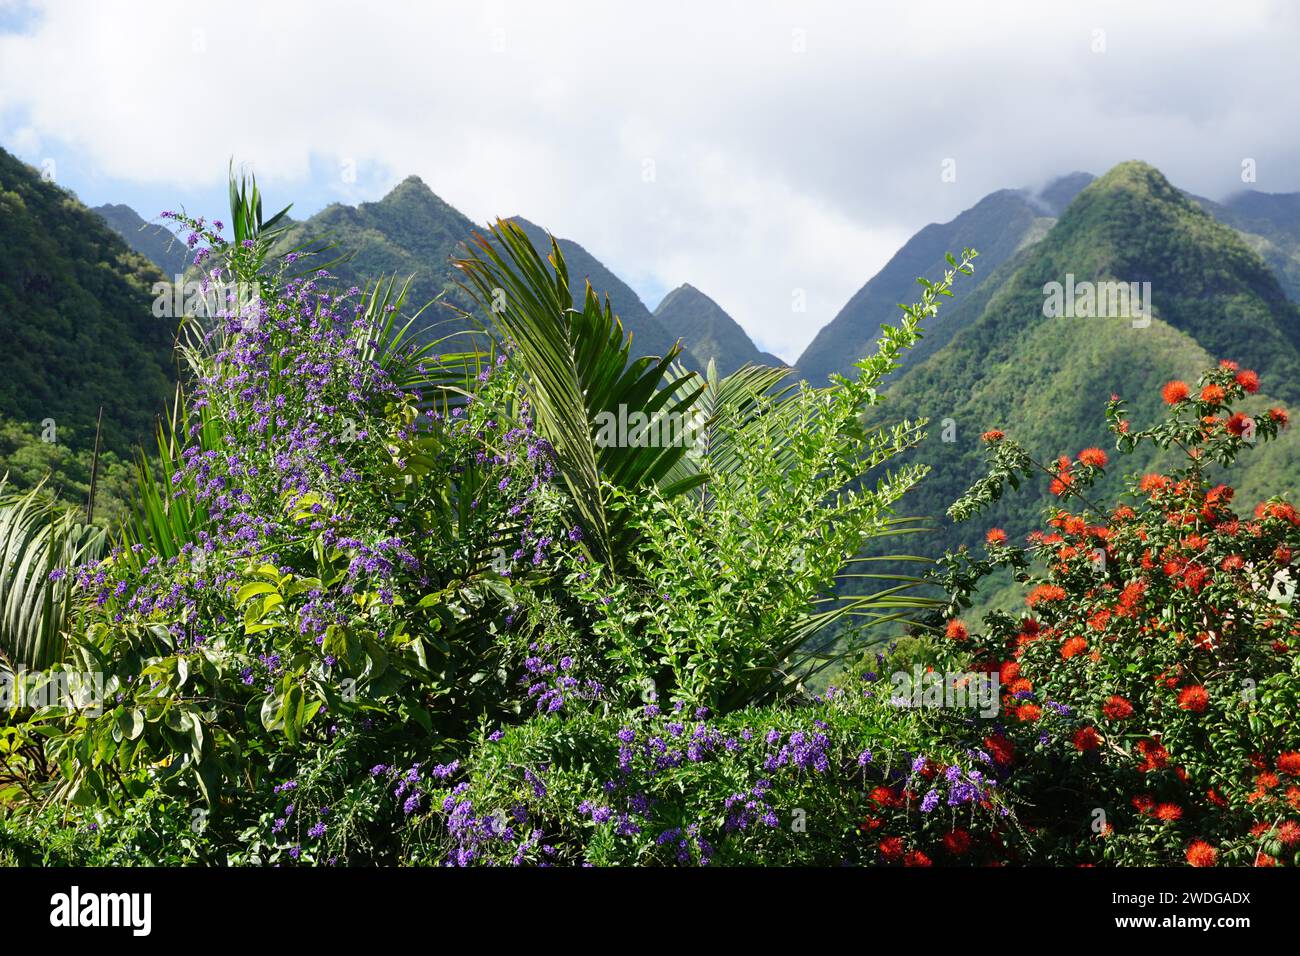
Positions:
(578, 368)
(39, 537)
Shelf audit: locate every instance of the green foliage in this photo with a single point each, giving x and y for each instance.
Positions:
(579, 366)
(39, 540)
(814, 785)
(76, 317)
(357, 552)
(731, 587)
(63, 467)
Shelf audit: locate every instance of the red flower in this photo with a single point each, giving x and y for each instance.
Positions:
(996, 536)
(1193, 698)
(957, 842)
(1279, 415)
(1168, 812)
(1154, 756)
(1201, 853)
(1020, 685)
(1045, 592)
(1073, 647)
(1237, 423)
(916, 858)
(891, 848)
(1130, 597)
(1094, 457)
(1086, 738)
(1289, 833)
(1117, 708)
(1213, 394)
(1289, 763)
(1248, 380)
(957, 631)
(885, 797)
(992, 435)
(1028, 713)
(1000, 749)
(1153, 483)
(1175, 392)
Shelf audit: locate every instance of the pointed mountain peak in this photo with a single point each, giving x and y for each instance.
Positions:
(119, 209)
(1134, 176)
(413, 192)
(708, 331)
(411, 183)
(152, 240)
(1130, 200)
(684, 294)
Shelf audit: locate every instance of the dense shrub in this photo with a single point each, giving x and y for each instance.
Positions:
(1152, 688)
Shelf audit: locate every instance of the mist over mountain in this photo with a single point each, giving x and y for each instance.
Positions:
(1270, 224)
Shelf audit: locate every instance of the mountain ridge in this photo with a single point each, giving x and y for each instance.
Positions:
(1046, 380)
(997, 226)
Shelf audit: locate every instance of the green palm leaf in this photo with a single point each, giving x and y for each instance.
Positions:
(578, 367)
(38, 537)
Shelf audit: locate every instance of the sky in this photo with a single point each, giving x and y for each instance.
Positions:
(772, 154)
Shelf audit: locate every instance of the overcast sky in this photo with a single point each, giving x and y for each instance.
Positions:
(750, 148)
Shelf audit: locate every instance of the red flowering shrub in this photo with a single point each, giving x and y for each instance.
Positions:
(1151, 687)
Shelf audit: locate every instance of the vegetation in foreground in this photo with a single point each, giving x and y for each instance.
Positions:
(399, 602)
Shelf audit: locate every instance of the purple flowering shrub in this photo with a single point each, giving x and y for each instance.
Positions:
(361, 509)
(827, 782)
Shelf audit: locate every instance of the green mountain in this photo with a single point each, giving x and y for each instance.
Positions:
(156, 243)
(412, 232)
(999, 225)
(76, 318)
(1045, 380)
(708, 331)
(1270, 224)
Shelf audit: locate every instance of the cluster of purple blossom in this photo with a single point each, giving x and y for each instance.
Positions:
(550, 684)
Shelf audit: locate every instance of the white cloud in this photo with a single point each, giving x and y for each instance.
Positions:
(794, 144)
